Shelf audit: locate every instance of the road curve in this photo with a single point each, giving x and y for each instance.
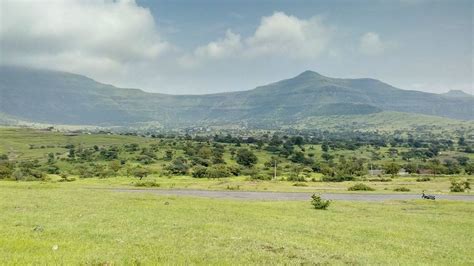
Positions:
(272, 196)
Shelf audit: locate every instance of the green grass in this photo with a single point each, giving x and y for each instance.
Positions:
(438, 185)
(99, 226)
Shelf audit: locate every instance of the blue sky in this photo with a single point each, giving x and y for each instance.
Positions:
(213, 46)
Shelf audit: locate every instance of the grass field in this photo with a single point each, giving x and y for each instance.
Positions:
(438, 185)
(85, 222)
(104, 227)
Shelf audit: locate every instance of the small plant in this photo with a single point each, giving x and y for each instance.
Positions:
(460, 186)
(300, 185)
(380, 179)
(147, 184)
(295, 177)
(66, 178)
(337, 178)
(401, 189)
(229, 187)
(360, 187)
(423, 179)
(318, 203)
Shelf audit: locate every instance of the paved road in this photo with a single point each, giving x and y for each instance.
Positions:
(270, 196)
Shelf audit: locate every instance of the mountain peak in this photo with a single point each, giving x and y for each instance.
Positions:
(456, 93)
(310, 73)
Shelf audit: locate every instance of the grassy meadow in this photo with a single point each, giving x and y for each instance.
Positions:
(68, 218)
(55, 223)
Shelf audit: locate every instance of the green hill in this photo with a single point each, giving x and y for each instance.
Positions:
(45, 96)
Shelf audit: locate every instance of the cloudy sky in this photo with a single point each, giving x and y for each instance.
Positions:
(225, 45)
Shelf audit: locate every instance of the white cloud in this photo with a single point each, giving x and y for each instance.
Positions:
(371, 44)
(285, 35)
(85, 36)
(276, 35)
(229, 45)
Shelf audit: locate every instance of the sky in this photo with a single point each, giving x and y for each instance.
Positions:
(209, 46)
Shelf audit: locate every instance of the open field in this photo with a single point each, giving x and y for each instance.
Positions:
(438, 185)
(68, 199)
(89, 226)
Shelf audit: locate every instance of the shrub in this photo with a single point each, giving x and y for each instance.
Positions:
(233, 187)
(178, 166)
(218, 171)
(295, 177)
(261, 176)
(401, 189)
(140, 172)
(360, 187)
(234, 170)
(381, 179)
(337, 178)
(66, 178)
(246, 158)
(147, 184)
(459, 186)
(423, 179)
(199, 171)
(300, 185)
(318, 203)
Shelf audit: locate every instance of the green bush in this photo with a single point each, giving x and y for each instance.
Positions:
(199, 171)
(296, 178)
(237, 187)
(318, 203)
(218, 171)
(401, 189)
(460, 185)
(147, 184)
(423, 179)
(261, 176)
(300, 185)
(381, 179)
(337, 178)
(360, 187)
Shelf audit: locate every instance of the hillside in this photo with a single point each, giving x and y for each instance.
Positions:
(62, 98)
(384, 122)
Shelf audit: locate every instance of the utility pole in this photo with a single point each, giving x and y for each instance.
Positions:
(274, 170)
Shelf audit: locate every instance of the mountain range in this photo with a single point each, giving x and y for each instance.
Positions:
(46, 96)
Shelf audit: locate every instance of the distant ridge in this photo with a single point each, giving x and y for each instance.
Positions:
(46, 96)
(457, 93)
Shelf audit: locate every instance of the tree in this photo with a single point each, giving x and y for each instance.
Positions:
(435, 166)
(51, 158)
(140, 172)
(178, 166)
(6, 169)
(327, 157)
(462, 160)
(205, 152)
(168, 155)
(469, 168)
(325, 147)
(246, 158)
(218, 171)
(199, 171)
(452, 167)
(72, 153)
(392, 169)
(115, 166)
